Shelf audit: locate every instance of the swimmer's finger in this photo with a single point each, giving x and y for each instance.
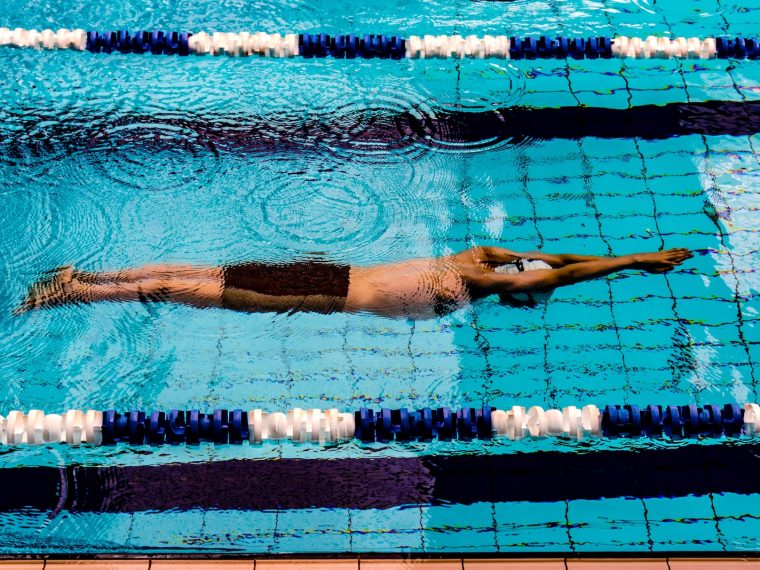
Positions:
(685, 255)
(679, 254)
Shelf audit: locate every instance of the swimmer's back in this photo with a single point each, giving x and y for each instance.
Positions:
(419, 288)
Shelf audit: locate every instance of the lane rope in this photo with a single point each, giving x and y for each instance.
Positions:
(331, 426)
(351, 46)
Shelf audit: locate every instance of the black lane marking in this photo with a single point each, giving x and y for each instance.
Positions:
(382, 129)
(383, 483)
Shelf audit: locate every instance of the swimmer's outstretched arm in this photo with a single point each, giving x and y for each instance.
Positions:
(543, 279)
(555, 260)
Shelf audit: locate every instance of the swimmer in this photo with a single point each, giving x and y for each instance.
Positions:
(418, 288)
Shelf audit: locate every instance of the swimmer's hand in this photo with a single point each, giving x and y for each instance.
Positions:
(661, 261)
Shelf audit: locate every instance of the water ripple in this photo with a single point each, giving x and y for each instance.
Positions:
(160, 154)
(328, 204)
(33, 212)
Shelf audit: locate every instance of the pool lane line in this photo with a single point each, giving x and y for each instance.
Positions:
(367, 46)
(331, 427)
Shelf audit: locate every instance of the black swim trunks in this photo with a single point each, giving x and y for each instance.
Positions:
(308, 285)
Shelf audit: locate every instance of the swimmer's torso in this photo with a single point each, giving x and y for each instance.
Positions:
(420, 288)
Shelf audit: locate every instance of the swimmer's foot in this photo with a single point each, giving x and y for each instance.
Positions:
(663, 261)
(62, 286)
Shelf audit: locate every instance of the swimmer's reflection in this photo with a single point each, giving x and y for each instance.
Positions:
(417, 288)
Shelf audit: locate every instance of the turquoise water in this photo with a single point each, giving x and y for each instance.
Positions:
(113, 161)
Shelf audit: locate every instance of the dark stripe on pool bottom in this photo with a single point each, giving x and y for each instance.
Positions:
(384, 128)
(386, 482)
(645, 121)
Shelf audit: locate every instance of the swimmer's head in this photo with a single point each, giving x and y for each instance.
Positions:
(527, 299)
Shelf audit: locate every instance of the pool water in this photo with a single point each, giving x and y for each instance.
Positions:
(108, 161)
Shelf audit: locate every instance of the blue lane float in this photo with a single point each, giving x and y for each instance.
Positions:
(349, 46)
(385, 425)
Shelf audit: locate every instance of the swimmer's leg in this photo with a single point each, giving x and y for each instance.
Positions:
(153, 271)
(195, 292)
(201, 293)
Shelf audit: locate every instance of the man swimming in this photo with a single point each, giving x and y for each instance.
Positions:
(418, 288)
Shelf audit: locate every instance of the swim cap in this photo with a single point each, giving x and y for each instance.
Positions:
(532, 298)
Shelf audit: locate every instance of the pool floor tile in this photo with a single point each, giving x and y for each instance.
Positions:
(307, 565)
(100, 564)
(517, 564)
(718, 564)
(628, 564)
(202, 564)
(453, 564)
